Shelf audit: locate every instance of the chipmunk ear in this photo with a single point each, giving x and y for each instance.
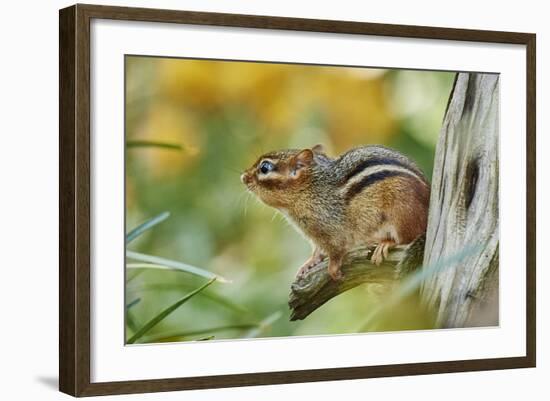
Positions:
(303, 159)
(319, 148)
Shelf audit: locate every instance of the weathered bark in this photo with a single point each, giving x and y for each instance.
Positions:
(316, 287)
(464, 205)
(463, 215)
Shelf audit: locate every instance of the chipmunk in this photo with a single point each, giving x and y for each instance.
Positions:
(370, 195)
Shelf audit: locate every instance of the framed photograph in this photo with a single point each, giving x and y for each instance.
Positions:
(250, 200)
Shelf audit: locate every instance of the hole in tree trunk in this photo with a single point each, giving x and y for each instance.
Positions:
(472, 175)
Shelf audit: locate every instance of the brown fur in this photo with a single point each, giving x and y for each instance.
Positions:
(310, 189)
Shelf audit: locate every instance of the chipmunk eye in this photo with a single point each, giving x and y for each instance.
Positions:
(266, 167)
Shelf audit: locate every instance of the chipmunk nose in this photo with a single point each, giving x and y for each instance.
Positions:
(245, 178)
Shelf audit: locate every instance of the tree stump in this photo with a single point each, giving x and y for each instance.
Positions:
(464, 205)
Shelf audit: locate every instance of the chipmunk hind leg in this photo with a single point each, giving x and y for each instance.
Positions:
(402, 223)
(381, 251)
(385, 238)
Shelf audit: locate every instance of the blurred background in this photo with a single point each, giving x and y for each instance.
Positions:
(191, 127)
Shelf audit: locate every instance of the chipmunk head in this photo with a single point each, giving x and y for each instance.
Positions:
(277, 177)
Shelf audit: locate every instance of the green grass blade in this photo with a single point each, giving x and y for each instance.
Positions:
(199, 332)
(162, 315)
(156, 262)
(136, 232)
(133, 303)
(131, 321)
(153, 144)
(132, 277)
(220, 299)
(264, 324)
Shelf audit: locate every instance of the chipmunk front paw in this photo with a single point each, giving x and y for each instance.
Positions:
(334, 268)
(336, 275)
(302, 271)
(314, 260)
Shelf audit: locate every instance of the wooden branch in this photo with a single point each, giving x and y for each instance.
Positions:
(316, 287)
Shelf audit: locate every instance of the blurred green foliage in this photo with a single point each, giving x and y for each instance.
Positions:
(193, 125)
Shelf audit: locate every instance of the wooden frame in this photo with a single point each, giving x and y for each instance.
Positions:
(74, 199)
